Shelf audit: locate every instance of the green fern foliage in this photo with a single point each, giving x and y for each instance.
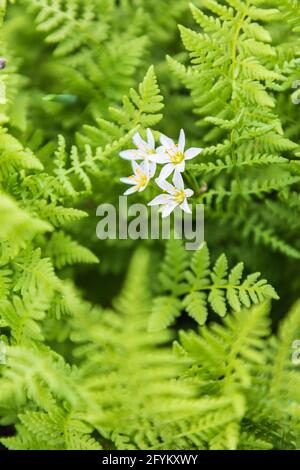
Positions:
(98, 145)
(236, 78)
(200, 286)
(67, 24)
(124, 344)
(199, 397)
(64, 251)
(141, 368)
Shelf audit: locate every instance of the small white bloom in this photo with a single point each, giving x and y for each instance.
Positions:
(144, 150)
(176, 195)
(172, 155)
(139, 181)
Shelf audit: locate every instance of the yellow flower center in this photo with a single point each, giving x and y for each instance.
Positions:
(177, 157)
(141, 179)
(179, 196)
(145, 153)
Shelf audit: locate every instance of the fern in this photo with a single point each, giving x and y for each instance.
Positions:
(57, 215)
(233, 76)
(61, 429)
(210, 405)
(65, 251)
(13, 156)
(18, 225)
(140, 109)
(227, 353)
(204, 287)
(89, 49)
(145, 371)
(145, 351)
(68, 27)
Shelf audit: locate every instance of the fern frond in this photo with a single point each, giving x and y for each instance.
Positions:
(140, 109)
(14, 157)
(235, 81)
(208, 286)
(69, 25)
(65, 251)
(17, 224)
(142, 359)
(57, 215)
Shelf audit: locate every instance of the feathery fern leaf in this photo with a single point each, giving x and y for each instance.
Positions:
(206, 286)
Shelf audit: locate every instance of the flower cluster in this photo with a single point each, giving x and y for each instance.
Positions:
(173, 157)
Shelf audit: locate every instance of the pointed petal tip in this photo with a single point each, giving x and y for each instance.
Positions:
(181, 141)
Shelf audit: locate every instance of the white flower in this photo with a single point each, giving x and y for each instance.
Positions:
(174, 156)
(144, 150)
(139, 181)
(176, 195)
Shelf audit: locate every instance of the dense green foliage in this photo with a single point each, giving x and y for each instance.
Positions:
(142, 344)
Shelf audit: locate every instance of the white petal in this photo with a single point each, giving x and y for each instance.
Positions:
(135, 166)
(138, 141)
(188, 192)
(181, 142)
(178, 180)
(167, 209)
(128, 180)
(163, 184)
(192, 153)
(159, 158)
(185, 207)
(151, 141)
(130, 154)
(180, 167)
(142, 188)
(166, 141)
(161, 199)
(152, 169)
(131, 190)
(166, 171)
(145, 167)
